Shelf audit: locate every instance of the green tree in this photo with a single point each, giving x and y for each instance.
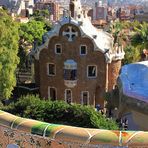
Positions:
(32, 31)
(132, 54)
(43, 16)
(116, 30)
(140, 38)
(30, 35)
(8, 53)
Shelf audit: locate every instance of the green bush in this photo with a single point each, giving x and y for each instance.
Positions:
(59, 112)
(1, 105)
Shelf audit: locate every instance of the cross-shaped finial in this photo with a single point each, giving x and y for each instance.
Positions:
(70, 33)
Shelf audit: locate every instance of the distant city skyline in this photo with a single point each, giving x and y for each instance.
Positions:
(92, 2)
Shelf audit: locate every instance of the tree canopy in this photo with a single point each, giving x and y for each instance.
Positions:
(140, 38)
(8, 53)
(30, 35)
(133, 36)
(132, 54)
(32, 31)
(138, 42)
(43, 16)
(115, 29)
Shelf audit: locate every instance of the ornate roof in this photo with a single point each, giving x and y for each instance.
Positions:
(102, 40)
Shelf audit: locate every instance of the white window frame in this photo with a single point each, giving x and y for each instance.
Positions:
(66, 93)
(48, 69)
(88, 71)
(80, 50)
(49, 87)
(55, 49)
(82, 101)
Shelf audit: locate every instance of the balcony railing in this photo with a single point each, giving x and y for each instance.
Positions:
(70, 83)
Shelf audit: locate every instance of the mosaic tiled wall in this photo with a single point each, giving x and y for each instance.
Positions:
(27, 133)
(16, 139)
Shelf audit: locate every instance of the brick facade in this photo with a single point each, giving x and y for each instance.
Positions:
(71, 50)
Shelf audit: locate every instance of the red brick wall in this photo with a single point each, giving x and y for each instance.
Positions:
(113, 71)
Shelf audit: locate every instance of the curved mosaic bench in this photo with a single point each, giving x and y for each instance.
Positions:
(69, 134)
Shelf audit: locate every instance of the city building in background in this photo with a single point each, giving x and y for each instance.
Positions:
(51, 6)
(19, 7)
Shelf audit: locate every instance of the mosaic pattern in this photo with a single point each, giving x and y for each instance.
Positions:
(24, 132)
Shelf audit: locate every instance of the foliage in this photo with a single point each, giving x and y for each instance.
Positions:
(43, 16)
(139, 41)
(32, 31)
(134, 42)
(39, 15)
(1, 105)
(8, 53)
(132, 54)
(30, 34)
(141, 36)
(60, 112)
(115, 30)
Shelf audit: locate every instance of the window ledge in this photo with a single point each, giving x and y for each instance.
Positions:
(91, 77)
(50, 75)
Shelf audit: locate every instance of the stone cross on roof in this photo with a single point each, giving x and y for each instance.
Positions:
(70, 34)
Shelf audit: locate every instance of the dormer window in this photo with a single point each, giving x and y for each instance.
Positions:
(83, 50)
(70, 33)
(58, 48)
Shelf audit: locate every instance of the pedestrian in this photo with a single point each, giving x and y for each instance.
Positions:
(98, 107)
(126, 124)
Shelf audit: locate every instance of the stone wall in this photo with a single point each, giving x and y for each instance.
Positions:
(113, 73)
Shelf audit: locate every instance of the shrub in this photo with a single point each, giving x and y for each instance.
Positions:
(59, 112)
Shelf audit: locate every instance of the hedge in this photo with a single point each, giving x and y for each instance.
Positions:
(59, 112)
